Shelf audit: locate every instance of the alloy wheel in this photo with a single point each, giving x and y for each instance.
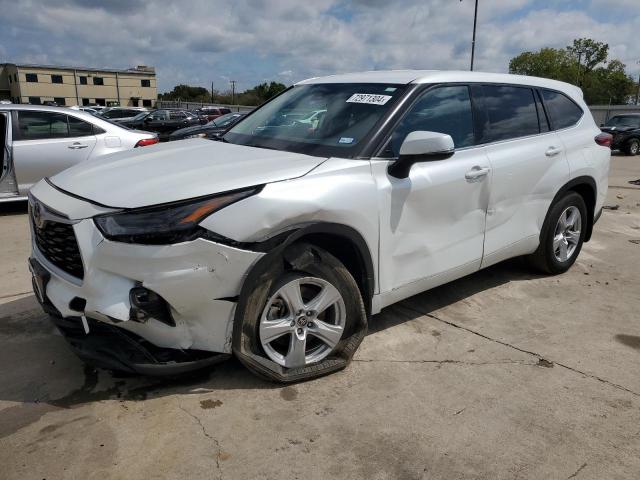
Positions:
(566, 237)
(302, 323)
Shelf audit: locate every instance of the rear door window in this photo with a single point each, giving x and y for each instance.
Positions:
(511, 112)
(563, 111)
(39, 125)
(79, 128)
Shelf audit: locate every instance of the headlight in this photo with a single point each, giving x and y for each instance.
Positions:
(166, 223)
(197, 135)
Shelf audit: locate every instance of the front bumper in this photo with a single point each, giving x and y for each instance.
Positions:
(200, 281)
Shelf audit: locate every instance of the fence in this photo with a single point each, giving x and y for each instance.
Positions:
(602, 113)
(194, 105)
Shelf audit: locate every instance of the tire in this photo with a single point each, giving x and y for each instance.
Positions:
(331, 336)
(632, 147)
(559, 247)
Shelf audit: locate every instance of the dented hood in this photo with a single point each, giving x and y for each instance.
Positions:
(177, 171)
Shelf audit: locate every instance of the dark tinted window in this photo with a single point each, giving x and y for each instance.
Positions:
(60, 101)
(511, 112)
(173, 115)
(146, 103)
(56, 78)
(101, 102)
(34, 101)
(79, 128)
(145, 83)
(98, 81)
(31, 77)
(445, 110)
(83, 80)
(37, 125)
(562, 110)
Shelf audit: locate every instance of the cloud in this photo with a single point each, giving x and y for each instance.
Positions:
(200, 41)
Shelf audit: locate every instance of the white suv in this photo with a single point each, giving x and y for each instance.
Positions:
(280, 241)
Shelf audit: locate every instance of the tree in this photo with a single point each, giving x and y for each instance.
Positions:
(254, 96)
(584, 63)
(187, 93)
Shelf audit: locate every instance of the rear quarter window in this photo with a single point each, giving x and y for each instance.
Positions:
(563, 111)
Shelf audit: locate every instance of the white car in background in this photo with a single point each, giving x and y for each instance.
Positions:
(41, 141)
(278, 242)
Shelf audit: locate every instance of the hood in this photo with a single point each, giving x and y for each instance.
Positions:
(195, 129)
(177, 171)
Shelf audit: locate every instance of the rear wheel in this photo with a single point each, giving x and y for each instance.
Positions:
(632, 147)
(562, 235)
(300, 316)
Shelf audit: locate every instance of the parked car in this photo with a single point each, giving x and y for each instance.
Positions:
(90, 110)
(278, 243)
(40, 141)
(162, 121)
(120, 114)
(626, 132)
(211, 113)
(211, 130)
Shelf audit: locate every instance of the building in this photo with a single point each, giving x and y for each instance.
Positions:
(37, 84)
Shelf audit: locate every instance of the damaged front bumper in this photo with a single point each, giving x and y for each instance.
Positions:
(196, 284)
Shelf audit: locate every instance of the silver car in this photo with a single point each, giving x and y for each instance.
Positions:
(39, 141)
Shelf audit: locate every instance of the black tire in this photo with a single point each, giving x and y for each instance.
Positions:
(267, 276)
(632, 147)
(544, 258)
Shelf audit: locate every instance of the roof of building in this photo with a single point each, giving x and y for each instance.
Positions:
(141, 69)
(439, 76)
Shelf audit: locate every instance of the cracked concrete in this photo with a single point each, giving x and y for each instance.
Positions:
(501, 375)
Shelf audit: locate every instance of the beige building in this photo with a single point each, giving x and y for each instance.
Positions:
(69, 86)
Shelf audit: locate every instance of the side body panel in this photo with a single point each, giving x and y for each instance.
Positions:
(527, 173)
(431, 223)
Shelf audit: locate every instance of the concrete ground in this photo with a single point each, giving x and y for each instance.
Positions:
(501, 375)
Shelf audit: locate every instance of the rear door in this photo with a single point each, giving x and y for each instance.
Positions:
(528, 163)
(8, 187)
(46, 143)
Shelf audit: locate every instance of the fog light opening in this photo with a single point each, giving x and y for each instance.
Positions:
(146, 304)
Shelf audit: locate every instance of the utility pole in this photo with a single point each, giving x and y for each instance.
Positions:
(211, 92)
(580, 52)
(473, 39)
(638, 89)
(233, 91)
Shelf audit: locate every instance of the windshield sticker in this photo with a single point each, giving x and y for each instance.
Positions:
(345, 140)
(369, 98)
(390, 89)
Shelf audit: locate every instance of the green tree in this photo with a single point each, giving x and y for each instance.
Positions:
(187, 93)
(584, 63)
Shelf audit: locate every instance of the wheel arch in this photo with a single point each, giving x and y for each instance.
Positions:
(587, 188)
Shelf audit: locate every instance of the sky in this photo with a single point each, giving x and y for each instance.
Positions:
(251, 41)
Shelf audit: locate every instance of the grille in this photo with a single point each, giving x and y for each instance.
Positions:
(57, 242)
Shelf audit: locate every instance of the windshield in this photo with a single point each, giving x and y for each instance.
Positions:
(223, 121)
(140, 116)
(322, 119)
(624, 121)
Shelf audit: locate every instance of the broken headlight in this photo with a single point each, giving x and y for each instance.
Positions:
(167, 223)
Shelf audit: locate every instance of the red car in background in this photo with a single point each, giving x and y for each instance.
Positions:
(211, 113)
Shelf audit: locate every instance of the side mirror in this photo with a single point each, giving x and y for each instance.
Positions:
(421, 146)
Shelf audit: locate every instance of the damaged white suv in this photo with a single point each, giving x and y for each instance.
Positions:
(278, 242)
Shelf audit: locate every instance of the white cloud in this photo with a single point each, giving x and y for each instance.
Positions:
(198, 41)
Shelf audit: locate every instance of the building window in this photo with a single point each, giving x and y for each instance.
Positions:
(98, 81)
(85, 101)
(101, 101)
(60, 101)
(145, 83)
(83, 80)
(32, 77)
(56, 78)
(146, 103)
(34, 100)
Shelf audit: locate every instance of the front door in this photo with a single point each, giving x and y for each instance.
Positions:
(47, 143)
(432, 223)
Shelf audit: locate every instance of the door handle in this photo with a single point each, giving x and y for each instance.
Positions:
(552, 151)
(476, 173)
(77, 146)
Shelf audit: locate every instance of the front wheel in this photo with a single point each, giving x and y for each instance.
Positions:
(301, 316)
(562, 235)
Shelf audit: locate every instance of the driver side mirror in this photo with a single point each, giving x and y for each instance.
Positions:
(421, 146)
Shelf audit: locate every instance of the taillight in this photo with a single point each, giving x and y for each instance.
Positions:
(145, 142)
(604, 139)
